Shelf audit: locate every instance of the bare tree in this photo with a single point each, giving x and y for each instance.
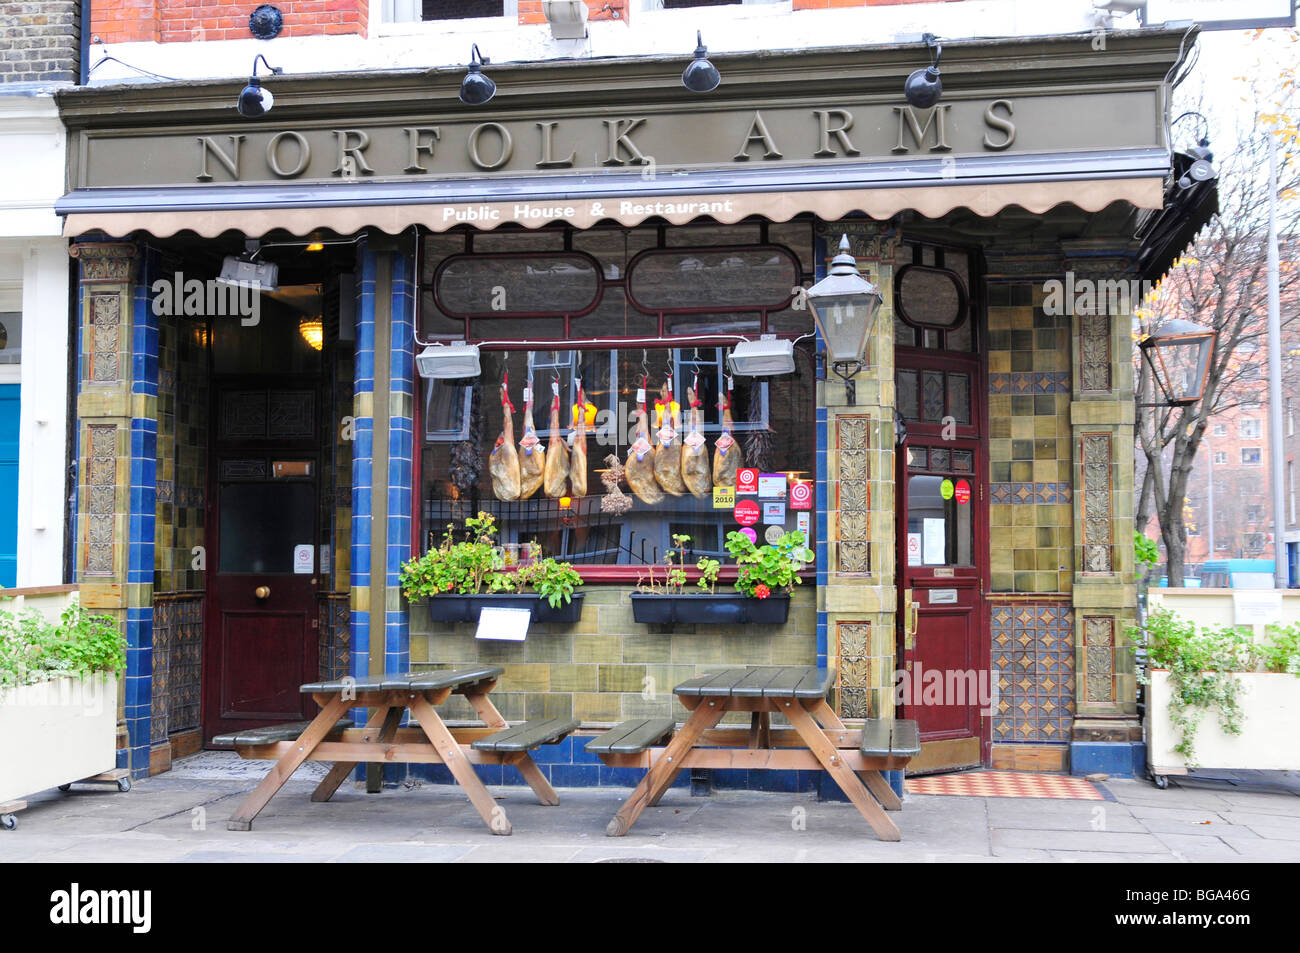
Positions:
(1220, 283)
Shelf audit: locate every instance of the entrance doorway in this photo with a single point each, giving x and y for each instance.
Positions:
(264, 525)
(941, 506)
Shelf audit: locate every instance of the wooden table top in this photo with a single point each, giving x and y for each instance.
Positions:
(413, 681)
(773, 681)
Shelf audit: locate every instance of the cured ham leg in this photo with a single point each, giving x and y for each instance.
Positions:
(668, 454)
(727, 457)
(578, 455)
(503, 462)
(556, 474)
(532, 458)
(696, 472)
(640, 469)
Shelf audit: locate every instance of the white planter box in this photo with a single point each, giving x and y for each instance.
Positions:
(56, 732)
(1270, 727)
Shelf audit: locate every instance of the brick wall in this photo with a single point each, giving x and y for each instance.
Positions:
(40, 41)
(180, 21)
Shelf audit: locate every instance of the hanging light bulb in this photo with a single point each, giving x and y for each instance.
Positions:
(924, 87)
(255, 99)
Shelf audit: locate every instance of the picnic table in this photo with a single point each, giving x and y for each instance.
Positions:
(330, 736)
(815, 739)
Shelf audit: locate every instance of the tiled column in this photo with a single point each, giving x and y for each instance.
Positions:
(1106, 727)
(363, 423)
(117, 427)
(855, 555)
(401, 449)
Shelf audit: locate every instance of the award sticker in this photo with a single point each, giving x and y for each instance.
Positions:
(747, 513)
(774, 534)
(946, 489)
(724, 497)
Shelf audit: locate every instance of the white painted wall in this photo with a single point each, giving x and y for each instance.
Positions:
(757, 26)
(34, 279)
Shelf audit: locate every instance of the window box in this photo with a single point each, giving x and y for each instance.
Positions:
(466, 608)
(709, 609)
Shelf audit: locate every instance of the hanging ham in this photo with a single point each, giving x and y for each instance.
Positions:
(668, 454)
(532, 458)
(727, 457)
(503, 462)
(556, 474)
(578, 455)
(695, 453)
(640, 468)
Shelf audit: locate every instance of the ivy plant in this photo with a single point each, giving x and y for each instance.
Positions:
(35, 649)
(1203, 664)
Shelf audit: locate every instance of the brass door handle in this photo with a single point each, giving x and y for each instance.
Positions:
(261, 592)
(916, 618)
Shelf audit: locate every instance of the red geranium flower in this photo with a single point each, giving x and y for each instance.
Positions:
(762, 591)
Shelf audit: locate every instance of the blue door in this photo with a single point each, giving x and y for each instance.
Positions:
(9, 485)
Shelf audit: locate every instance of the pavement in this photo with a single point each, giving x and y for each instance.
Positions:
(180, 816)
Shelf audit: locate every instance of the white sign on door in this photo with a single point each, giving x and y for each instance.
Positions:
(304, 559)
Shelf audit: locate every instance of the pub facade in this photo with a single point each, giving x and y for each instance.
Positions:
(255, 469)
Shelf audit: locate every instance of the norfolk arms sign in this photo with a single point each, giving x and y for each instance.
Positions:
(656, 141)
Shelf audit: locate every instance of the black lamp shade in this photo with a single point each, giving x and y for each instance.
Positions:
(701, 76)
(923, 88)
(254, 100)
(476, 88)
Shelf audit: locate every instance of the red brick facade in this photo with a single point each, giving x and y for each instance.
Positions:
(180, 21)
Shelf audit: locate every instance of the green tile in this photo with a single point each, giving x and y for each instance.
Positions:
(648, 647)
(547, 705)
(621, 678)
(1022, 406)
(549, 647)
(574, 678)
(597, 648)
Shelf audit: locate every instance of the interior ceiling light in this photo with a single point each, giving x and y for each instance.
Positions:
(312, 331)
(477, 87)
(256, 100)
(701, 76)
(924, 87)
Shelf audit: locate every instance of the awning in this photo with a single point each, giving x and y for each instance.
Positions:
(931, 187)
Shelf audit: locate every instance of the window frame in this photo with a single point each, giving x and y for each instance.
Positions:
(1258, 451)
(612, 573)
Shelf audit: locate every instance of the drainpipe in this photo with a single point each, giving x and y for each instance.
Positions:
(83, 63)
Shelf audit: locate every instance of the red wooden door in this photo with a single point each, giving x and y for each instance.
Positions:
(263, 526)
(941, 503)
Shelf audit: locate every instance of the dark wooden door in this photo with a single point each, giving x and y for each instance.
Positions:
(261, 643)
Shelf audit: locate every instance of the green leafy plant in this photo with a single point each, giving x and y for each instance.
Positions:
(554, 581)
(1203, 664)
(34, 648)
(709, 569)
(474, 564)
(763, 570)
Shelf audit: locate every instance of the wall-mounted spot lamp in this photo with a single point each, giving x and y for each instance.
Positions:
(476, 88)
(256, 100)
(924, 87)
(701, 76)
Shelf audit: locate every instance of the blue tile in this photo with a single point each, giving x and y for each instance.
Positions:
(575, 775)
(561, 753)
(732, 779)
(621, 777)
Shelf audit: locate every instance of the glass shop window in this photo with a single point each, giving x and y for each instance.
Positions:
(605, 416)
(407, 11)
(941, 491)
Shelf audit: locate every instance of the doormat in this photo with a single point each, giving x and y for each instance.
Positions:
(1005, 784)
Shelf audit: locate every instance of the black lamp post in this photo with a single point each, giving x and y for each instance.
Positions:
(845, 306)
(1178, 354)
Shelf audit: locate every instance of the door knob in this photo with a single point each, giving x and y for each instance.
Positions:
(261, 592)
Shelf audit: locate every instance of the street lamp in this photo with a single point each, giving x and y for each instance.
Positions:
(1178, 354)
(845, 306)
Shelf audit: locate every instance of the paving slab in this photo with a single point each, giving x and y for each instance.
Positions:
(1119, 843)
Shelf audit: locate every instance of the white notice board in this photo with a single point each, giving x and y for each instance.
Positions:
(509, 625)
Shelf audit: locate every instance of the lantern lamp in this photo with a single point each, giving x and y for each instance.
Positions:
(1178, 354)
(845, 306)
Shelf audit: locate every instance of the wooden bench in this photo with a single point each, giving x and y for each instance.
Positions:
(890, 738)
(529, 735)
(270, 734)
(633, 737)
